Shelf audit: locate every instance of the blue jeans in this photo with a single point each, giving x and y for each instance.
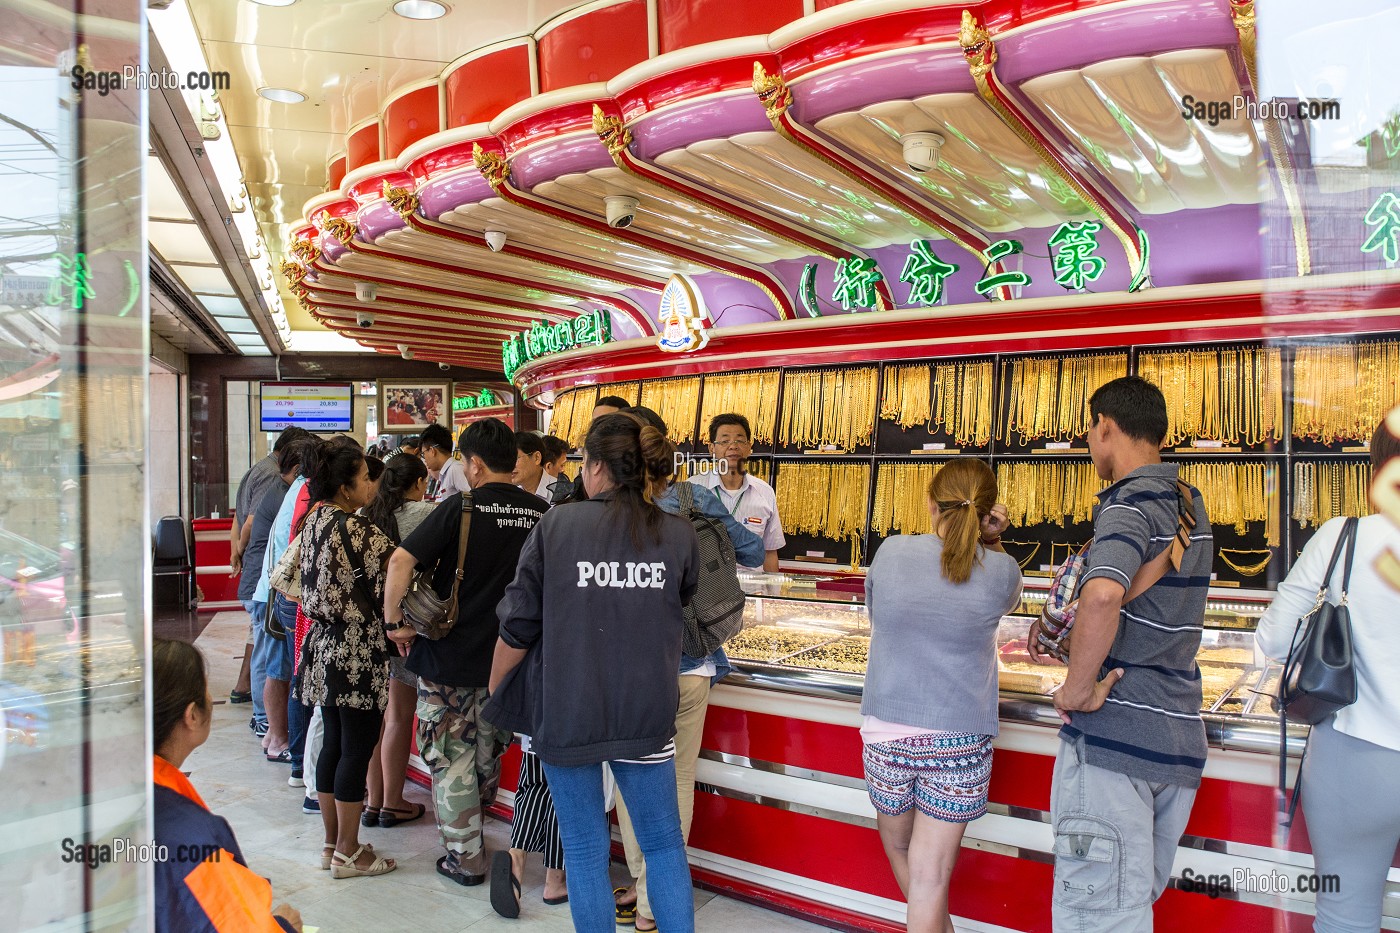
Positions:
(298, 716)
(257, 667)
(650, 791)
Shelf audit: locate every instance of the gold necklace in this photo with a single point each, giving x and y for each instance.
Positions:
(1033, 545)
(1247, 570)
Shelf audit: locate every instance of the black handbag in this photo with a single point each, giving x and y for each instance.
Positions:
(431, 616)
(1319, 676)
(271, 626)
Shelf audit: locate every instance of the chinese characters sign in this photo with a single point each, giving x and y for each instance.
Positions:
(590, 329)
(1073, 249)
(483, 399)
(1384, 218)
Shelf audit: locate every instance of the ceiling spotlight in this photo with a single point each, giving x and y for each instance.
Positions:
(364, 291)
(420, 9)
(496, 239)
(921, 151)
(281, 95)
(405, 352)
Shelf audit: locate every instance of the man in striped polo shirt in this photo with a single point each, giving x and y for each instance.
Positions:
(1133, 744)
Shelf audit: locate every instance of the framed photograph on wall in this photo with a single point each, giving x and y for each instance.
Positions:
(407, 407)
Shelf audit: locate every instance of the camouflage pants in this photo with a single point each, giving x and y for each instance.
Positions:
(463, 753)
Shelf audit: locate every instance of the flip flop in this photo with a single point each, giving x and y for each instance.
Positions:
(388, 816)
(556, 901)
(283, 757)
(505, 888)
(450, 870)
(626, 913)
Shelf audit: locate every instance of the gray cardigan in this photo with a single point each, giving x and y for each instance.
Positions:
(933, 646)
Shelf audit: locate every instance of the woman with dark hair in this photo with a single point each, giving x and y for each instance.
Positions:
(397, 509)
(930, 700)
(206, 886)
(345, 658)
(620, 562)
(1353, 755)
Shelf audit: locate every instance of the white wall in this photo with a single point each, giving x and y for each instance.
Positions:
(166, 454)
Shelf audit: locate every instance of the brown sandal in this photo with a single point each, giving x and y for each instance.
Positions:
(389, 816)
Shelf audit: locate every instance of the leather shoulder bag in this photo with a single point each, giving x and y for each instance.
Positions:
(431, 616)
(1319, 675)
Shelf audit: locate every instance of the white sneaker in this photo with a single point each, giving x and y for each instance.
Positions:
(295, 781)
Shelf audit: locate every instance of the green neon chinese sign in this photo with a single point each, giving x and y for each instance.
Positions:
(70, 286)
(590, 329)
(998, 251)
(925, 273)
(856, 279)
(1384, 215)
(483, 399)
(1073, 246)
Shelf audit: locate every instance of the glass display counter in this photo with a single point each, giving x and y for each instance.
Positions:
(811, 634)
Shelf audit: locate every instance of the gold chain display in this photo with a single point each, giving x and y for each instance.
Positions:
(1246, 570)
(1049, 397)
(676, 401)
(1232, 395)
(1035, 493)
(573, 412)
(1237, 494)
(1324, 490)
(829, 407)
(1342, 391)
(753, 395)
(901, 499)
(953, 397)
(824, 499)
(761, 468)
(630, 391)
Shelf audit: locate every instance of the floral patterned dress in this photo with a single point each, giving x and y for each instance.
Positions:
(345, 658)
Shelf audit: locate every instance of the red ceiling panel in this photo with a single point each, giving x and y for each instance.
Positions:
(480, 89)
(594, 47)
(409, 118)
(684, 23)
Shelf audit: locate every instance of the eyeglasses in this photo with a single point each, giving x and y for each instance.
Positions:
(733, 443)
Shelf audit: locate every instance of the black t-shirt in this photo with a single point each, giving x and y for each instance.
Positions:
(503, 518)
(266, 513)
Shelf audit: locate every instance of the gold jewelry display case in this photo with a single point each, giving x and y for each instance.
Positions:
(802, 637)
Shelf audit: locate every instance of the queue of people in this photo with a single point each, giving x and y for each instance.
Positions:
(619, 547)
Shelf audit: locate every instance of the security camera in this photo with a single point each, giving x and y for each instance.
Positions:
(921, 151)
(364, 291)
(444, 366)
(621, 209)
(364, 319)
(405, 352)
(496, 239)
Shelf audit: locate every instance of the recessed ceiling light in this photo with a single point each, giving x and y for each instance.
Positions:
(420, 9)
(274, 2)
(281, 95)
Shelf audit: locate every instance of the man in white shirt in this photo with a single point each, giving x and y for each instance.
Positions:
(436, 444)
(530, 474)
(749, 499)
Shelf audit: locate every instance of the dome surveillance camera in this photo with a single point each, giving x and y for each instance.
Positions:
(921, 151)
(364, 291)
(496, 239)
(405, 352)
(364, 319)
(444, 367)
(621, 210)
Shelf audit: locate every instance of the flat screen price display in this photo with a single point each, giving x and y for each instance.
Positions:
(319, 407)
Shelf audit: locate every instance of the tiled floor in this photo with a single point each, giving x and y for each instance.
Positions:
(283, 844)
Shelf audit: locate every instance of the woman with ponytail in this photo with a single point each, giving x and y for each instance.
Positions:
(930, 699)
(397, 509)
(624, 567)
(345, 657)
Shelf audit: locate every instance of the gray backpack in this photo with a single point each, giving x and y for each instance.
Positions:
(716, 611)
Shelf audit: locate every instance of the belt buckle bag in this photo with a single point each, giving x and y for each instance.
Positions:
(1057, 615)
(431, 616)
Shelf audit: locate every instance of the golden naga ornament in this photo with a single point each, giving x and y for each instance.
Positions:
(402, 200)
(772, 90)
(306, 250)
(977, 45)
(294, 272)
(611, 130)
(338, 227)
(492, 165)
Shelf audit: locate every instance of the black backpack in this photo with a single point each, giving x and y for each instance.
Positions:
(716, 611)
